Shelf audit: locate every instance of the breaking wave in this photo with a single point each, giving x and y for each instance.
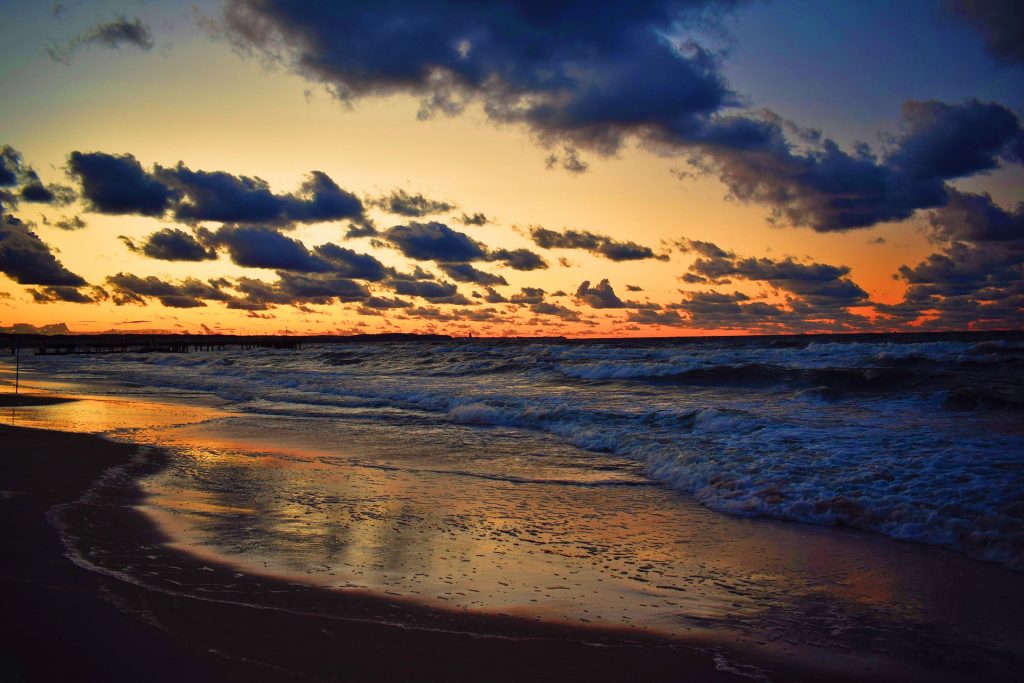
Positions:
(918, 437)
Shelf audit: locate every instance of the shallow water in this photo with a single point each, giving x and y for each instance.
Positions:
(500, 478)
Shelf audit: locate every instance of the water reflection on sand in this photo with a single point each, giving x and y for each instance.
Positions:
(475, 520)
(401, 513)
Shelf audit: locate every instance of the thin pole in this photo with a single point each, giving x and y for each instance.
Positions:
(17, 366)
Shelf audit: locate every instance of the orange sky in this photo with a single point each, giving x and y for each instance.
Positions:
(193, 99)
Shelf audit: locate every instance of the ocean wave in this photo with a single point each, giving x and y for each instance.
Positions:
(912, 439)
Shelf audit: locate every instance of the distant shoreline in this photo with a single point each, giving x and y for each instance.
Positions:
(10, 339)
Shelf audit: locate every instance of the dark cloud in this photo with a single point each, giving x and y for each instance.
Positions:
(384, 303)
(365, 228)
(477, 219)
(715, 310)
(320, 288)
(709, 249)
(650, 316)
(528, 295)
(15, 172)
(634, 288)
(600, 295)
(75, 295)
(1001, 24)
(10, 165)
(586, 73)
(494, 297)
(976, 279)
(402, 203)
(437, 292)
(126, 288)
(27, 260)
(557, 310)
(115, 34)
(172, 244)
(70, 223)
(518, 259)
(568, 160)
(262, 247)
(434, 242)
(36, 192)
(976, 218)
(465, 272)
(829, 189)
(224, 197)
(351, 264)
(118, 184)
(589, 75)
(600, 245)
(817, 283)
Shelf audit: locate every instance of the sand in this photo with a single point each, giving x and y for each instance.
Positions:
(194, 619)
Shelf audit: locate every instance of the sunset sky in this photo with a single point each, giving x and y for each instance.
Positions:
(512, 168)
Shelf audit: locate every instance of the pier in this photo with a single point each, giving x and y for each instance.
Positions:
(48, 345)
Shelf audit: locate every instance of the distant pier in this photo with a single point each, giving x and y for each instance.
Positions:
(63, 345)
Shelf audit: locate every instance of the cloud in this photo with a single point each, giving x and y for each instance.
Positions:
(600, 295)
(817, 283)
(434, 242)
(494, 297)
(437, 292)
(262, 247)
(568, 161)
(47, 194)
(715, 310)
(976, 218)
(27, 260)
(477, 219)
(590, 75)
(10, 165)
(224, 197)
(14, 172)
(70, 223)
(115, 34)
(75, 295)
(528, 295)
(1000, 23)
(584, 73)
(126, 288)
(351, 264)
(600, 245)
(650, 316)
(817, 296)
(831, 190)
(172, 244)
(465, 272)
(384, 303)
(976, 278)
(557, 310)
(402, 203)
(117, 184)
(320, 288)
(518, 259)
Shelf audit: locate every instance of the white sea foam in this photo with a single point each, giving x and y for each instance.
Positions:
(892, 460)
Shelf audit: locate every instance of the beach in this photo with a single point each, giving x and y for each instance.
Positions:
(272, 515)
(205, 621)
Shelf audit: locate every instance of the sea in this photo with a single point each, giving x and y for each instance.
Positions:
(849, 493)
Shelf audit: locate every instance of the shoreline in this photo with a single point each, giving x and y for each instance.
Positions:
(261, 628)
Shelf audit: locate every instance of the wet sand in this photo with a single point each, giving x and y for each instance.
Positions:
(179, 616)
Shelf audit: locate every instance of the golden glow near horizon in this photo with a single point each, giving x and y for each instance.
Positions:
(199, 103)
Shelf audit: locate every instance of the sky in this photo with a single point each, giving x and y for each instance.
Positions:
(652, 168)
